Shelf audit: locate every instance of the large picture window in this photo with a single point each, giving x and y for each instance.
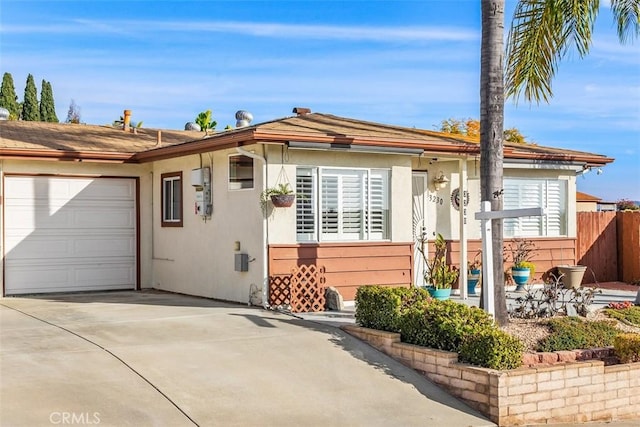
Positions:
(532, 193)
(172, 199)
(342, 204)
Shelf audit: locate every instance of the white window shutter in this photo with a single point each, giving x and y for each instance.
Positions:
(306, 210)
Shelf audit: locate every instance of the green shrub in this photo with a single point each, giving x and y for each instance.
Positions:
(627, 347)
(442, 324)
(379, 307)
(629, 315)
(492, 348)
(569, 333)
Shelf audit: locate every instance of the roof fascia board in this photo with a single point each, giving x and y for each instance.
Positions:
(543, 164)
(212, 143)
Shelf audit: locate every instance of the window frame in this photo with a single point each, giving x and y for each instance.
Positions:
(232, 185)
(554, 214)
(310, 208)
(171, 177)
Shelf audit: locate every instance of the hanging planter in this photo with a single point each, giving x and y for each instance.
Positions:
(280, 196)
(282, 200)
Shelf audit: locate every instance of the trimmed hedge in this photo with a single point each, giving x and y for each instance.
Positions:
(493, 349)
(444, 325)
(627, 347)
(379, 307)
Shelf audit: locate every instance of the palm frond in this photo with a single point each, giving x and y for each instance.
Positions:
(540, 35)
(627, 16)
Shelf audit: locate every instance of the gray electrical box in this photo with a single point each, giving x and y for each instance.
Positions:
(242, 262)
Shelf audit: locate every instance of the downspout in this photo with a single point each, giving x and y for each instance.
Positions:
(265, 228)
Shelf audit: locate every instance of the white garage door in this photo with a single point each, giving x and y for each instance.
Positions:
(69, 234)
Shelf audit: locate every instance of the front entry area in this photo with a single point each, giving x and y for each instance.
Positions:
(66, 234)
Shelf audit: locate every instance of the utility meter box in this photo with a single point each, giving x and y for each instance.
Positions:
(242, 262)
(200, 177)
(201, 181)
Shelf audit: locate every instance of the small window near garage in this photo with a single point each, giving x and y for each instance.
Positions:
(240, 172)
(172, 199)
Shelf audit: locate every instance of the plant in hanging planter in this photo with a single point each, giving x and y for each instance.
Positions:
(282, 196)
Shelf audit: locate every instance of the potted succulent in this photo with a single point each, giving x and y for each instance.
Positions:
(521, 252)
(474, 271)
(282, 196)
(439, 275)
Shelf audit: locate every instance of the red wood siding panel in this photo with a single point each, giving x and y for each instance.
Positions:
(348, 265)
(549, 253)
(597, 245)
(628, 224)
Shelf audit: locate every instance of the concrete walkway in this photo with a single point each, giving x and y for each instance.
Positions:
(152, 358)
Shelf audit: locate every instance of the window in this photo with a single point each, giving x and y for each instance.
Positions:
(342, 204)
(240, 172)
(172, 199)
(532, 193)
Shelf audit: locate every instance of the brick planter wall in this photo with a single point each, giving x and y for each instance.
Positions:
(570, 392)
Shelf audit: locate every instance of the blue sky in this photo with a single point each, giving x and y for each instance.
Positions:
(409, 63)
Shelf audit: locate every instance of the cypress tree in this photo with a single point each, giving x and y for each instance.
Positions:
(8, 97)
(47, 106)
(30, 109)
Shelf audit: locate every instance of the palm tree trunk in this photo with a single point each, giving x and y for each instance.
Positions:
(491, 130)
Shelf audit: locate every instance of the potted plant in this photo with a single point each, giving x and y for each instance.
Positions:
(439, 275)
(282, 196)
(521, 252)
(474, 271)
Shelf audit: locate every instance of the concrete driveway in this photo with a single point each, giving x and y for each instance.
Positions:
(152, 358)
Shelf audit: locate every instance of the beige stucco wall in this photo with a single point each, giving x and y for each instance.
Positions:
(443, 218)
(65, 168)
(198, 258)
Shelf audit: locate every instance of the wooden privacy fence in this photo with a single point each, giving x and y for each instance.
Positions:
(609, 245)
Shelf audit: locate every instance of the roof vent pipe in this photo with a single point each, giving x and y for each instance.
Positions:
(127, 120)
(243, 118)
(301, 111)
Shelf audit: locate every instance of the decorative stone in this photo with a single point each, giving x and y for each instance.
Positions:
(334, 301)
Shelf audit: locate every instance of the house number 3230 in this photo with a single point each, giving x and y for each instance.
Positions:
(436, 199)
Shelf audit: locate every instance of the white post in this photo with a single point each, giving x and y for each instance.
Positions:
(487, 262)
(485, 216)
(462, 190)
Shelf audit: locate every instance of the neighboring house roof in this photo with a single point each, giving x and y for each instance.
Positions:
(19, 139)
(584, 197)
(312, 127)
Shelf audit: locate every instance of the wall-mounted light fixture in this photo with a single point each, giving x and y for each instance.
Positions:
(440, 181)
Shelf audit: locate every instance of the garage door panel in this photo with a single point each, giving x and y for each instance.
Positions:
(61, 249)
(65, 234)
(57, 278)
(111, 218)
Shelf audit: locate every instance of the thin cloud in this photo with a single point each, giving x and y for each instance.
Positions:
(255, 29)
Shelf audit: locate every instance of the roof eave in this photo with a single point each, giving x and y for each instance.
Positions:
(57, 155)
